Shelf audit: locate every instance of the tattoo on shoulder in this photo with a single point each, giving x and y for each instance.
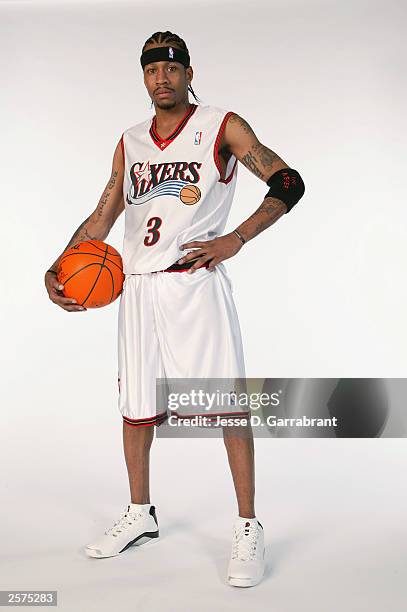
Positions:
(241, 123)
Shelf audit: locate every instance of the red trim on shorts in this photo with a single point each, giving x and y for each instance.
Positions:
(216, 414)
(146, 422)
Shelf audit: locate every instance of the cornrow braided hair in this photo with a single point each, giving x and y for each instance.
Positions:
(169, 37)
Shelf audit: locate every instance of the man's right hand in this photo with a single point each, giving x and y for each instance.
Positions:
(56, 295)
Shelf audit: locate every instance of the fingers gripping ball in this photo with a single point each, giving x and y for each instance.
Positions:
(92, 273)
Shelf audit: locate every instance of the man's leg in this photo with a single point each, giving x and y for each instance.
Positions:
(138, 524)
(246, 566)
(137, 443)
(240, 450)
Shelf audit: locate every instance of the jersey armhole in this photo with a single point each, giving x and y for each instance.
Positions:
(229, 176)
(122, 146)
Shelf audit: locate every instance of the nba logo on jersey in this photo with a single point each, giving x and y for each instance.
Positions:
(171, 52)
(198, 136)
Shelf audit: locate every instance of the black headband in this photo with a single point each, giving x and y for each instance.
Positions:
(165, 54)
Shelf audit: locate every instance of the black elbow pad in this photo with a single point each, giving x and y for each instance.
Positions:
(286, 185)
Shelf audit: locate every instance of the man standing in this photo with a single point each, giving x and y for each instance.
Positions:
(175, 177)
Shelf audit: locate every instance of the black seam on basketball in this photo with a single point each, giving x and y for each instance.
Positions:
(100, 248)
(110, 272)
(93, 254)
(94, 263)
(96, 280)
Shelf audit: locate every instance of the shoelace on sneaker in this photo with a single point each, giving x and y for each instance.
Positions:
(126, 519)
(244, 546)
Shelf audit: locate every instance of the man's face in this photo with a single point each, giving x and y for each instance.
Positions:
(167, 82)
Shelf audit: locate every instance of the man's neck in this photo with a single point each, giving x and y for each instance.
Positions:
(169, 118)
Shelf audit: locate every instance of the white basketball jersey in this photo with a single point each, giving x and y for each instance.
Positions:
(174, 190)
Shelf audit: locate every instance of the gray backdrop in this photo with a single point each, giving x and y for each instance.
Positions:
(320, 294)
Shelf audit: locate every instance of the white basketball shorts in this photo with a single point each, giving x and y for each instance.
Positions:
(173, 324)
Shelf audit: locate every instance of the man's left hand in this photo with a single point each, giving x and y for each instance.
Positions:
(214, 251)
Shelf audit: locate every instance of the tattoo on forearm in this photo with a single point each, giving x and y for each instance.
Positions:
(272, 206)
(81, 232)
(268, 212)
(88, 236)
(106, 194)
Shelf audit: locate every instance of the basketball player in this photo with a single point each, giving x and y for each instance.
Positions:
(175, 177)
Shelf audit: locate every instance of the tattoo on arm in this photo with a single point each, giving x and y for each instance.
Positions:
(258, 158)
(267, 157)
(268, 212)
(84, 232)
(241, 123)
(274, 209)
(81, 233)
(106, 194)
(249, 160)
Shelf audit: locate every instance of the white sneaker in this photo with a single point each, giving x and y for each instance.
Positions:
(246, 567)
(137, 525)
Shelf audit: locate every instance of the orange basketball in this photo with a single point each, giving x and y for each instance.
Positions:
(190, 194)
(92, 273)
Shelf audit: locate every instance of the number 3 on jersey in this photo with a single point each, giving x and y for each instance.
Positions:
(152, 229)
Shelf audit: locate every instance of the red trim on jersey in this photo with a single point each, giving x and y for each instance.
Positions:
(216, 151)
(122, 146)
(162, 143)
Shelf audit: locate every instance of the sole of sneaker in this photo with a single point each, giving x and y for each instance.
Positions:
(143, 538)
(243, 582)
